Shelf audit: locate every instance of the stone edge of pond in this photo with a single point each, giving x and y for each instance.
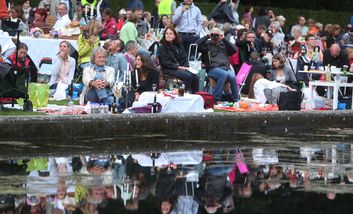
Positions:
(68, 126)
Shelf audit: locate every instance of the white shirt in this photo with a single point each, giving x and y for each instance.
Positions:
(62, 22)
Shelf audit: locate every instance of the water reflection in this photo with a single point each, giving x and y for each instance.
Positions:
(230, 180)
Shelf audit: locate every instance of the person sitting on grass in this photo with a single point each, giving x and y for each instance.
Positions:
(64, 67)
(98, 80)
(22, 59)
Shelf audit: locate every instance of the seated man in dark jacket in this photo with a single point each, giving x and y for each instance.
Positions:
(335, 57)
(215, 55)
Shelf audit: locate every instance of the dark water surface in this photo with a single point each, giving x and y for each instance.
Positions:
(219, 173)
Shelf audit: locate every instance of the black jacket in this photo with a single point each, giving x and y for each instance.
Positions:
(245, 50)
(146, 85)
(339, 61)
(222, 13)
(216, 55)
(171, 56)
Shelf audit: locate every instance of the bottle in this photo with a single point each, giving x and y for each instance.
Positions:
(71, 90)
(328, 73)
(106, 109)
(154, 104)
(344, 70)
(114, 107)
(70, 107)
(101, 109)
(303, 85)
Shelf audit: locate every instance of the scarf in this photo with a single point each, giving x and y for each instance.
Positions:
(98, 68)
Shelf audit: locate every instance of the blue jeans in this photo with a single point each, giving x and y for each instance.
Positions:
(103, 96)
(233, 85)
(222, 76)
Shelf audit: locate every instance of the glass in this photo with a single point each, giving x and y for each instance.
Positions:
(154, 87)
(181, 90)
(171, 86)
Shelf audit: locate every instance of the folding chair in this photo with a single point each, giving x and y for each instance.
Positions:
(45, 70)
(242, 76)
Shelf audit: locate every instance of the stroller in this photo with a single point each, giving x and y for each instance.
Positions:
(14, 82)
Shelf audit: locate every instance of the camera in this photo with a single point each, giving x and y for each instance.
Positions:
(214, 36)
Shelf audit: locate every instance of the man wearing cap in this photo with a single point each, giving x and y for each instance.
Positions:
(215, 55)
(188, 21)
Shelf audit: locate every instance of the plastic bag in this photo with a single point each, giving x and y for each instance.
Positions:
(60, 93)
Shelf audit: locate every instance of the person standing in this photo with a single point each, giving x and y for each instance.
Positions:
(188, 21)
(134, 5)
(166, 7)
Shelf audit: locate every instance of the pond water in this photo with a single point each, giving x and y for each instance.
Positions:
(220, 173)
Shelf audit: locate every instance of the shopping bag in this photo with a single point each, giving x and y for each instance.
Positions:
(194, 63)
(38, 94)
(60, 93)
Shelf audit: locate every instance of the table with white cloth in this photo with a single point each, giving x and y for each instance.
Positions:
(7, 44)
(335, 85)
(39, 48)
(187, 103)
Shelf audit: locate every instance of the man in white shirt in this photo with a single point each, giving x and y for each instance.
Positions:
(63, 17)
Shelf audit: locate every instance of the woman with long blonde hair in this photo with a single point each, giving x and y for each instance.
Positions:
(87, 41)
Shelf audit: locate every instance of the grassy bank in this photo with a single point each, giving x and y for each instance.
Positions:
(15, 112)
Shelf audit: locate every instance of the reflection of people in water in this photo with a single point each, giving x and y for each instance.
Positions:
(166, 206)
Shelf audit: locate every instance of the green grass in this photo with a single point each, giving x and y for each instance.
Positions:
(15, 112)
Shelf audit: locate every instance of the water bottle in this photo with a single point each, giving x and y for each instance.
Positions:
(70, 107)
(106, 109)
(101, 109)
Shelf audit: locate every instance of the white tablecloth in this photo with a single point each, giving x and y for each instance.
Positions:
(188, 103)
(38, 48)
(6, 43)
(185, 158)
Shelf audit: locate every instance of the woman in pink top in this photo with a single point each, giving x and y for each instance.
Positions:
(110, 27)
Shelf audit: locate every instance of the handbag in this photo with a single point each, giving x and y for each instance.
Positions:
(290, 100)
(60, 93)
(207, 98)
(4, 69)
(194, 63)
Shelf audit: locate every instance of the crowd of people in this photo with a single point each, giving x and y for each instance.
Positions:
(225, 40)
